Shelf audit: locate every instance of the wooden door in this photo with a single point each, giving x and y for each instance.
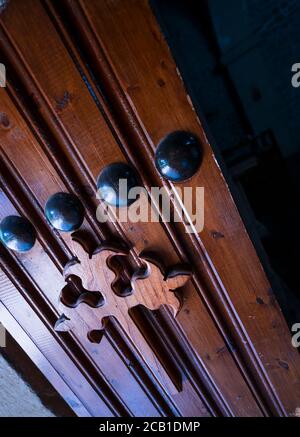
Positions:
(90, 83)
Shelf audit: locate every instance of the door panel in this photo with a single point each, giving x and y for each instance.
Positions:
(93, 83)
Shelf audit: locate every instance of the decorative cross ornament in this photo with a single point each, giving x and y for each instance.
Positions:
(85, 311)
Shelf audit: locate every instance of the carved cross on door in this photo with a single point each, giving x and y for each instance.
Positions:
(85, 312)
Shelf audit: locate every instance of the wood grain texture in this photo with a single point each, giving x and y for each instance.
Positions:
(92, 83)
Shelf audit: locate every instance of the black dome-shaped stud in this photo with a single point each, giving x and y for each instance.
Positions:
(178, 156)
(108, 184)
(64, 211)
(17, 233)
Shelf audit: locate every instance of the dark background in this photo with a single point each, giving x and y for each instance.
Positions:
(235, 57)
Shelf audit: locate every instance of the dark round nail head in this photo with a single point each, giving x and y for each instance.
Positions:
(178, 156)
(17, 233)
(108, 184)
(64, 211)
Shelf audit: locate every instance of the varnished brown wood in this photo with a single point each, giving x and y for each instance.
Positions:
(90, 83)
